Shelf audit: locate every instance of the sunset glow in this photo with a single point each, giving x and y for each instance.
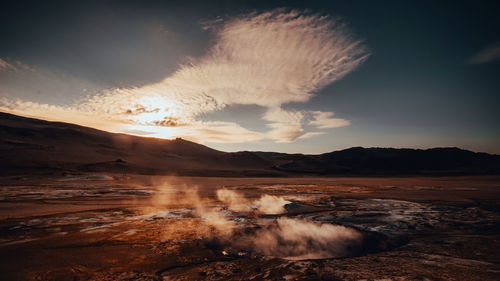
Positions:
(273, 77)
(236, 140)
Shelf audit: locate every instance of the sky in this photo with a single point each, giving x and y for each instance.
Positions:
(286, 76)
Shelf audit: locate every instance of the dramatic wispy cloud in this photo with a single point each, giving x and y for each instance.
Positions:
(488, 54)
(267, 59)
(270, 59)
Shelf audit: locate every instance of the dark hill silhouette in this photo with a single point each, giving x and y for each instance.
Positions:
(35, 146)
(31, 145)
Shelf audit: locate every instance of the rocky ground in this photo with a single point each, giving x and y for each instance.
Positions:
(117, 227)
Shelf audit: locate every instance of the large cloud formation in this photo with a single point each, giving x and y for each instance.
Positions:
(267, 59)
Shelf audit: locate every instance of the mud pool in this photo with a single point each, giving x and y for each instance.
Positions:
(111, 227)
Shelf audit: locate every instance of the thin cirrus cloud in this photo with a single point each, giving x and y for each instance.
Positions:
(324, 120)
(7, 65)
(267, 59)
(486, 55)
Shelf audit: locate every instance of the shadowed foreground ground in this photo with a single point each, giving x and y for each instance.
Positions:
(115, 227)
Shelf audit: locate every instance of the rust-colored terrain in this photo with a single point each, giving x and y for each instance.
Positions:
(116, 227)
(82, 204)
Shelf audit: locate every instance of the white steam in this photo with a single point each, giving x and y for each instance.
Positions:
(267, 204)
(234, 200)
(286, 238)
(271, 205)
(211, 216)
(299, 239)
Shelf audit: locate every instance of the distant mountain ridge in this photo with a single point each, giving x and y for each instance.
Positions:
(392, 161)
(30, 145)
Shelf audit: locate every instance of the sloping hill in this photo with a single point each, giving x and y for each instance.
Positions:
(31, 145)
(35, 146)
